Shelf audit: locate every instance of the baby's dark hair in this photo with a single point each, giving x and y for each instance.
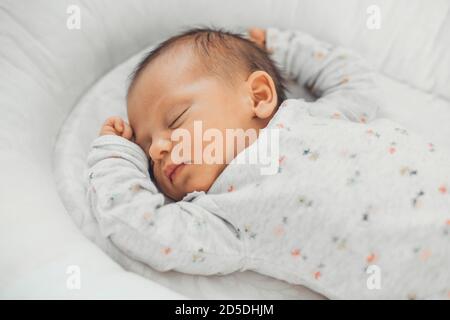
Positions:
(222, 53)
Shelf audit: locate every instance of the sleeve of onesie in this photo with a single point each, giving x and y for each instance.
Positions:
(344, 83)
(181, 236)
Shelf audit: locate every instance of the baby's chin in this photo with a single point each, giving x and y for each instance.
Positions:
(178, 194)
(199, 184)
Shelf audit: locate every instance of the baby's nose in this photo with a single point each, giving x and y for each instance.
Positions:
(159, 147)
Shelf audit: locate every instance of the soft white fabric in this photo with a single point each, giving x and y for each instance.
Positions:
(46, 68)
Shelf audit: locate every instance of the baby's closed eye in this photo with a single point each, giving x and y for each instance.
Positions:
(176, 120)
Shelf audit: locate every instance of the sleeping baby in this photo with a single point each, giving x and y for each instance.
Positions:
(356, 207)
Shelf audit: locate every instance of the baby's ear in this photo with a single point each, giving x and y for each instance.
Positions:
(263, 93)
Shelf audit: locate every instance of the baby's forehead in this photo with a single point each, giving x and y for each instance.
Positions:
(176, 68)
(164, 85)
(191, 57)
(173, 69)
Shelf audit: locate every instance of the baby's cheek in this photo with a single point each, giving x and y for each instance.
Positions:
(161, 184)
(196, 180)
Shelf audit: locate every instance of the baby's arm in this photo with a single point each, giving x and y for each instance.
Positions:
(180, 236)
(344, 82)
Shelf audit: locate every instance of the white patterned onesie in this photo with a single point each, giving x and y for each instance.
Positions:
(358, 208)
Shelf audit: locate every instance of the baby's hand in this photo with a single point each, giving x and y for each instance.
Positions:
(117, 126)
(258, 36)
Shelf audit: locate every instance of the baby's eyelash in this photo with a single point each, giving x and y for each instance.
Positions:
(173, 122)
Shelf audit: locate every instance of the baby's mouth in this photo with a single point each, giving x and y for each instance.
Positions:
(175, 170)
(172, 170)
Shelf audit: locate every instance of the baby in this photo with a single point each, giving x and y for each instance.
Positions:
(356, 208)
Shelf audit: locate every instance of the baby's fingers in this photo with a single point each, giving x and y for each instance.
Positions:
(118, 124)
(112, 125)
(114, 122)
(258, 35)
(127, 132)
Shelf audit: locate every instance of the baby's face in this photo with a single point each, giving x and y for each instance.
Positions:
(169, 95)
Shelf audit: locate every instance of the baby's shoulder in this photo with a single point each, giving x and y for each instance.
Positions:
(288, 111)
(295, 104)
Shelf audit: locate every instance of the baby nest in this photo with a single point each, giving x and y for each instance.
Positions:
(60, 84)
